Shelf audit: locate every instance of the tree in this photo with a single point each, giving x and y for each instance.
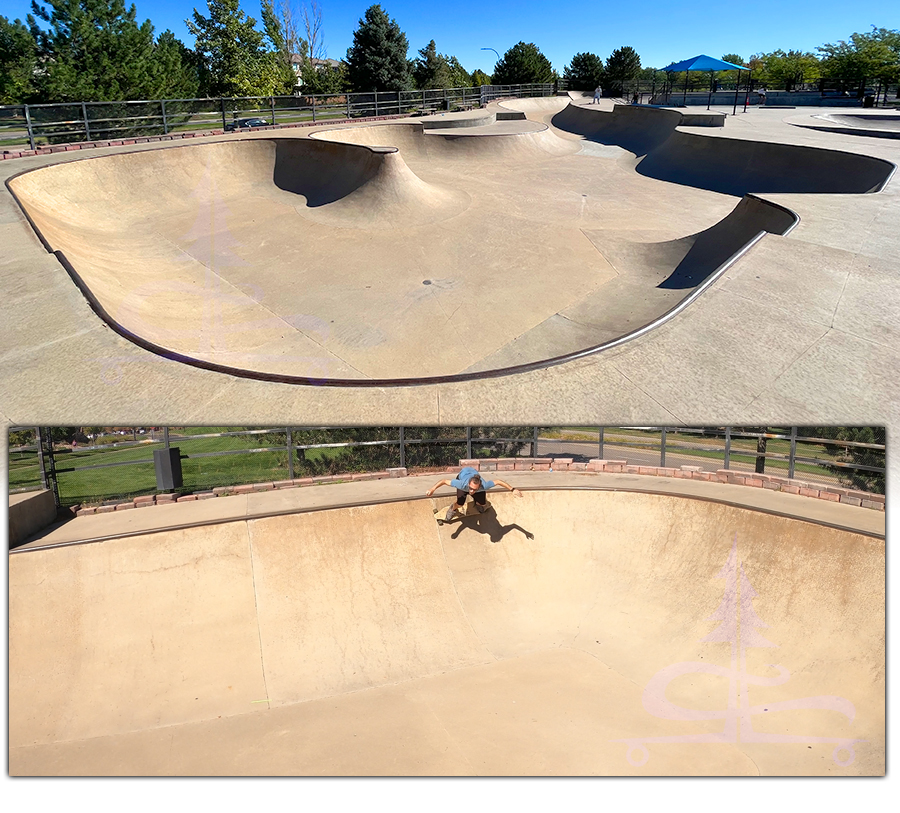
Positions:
(175, 70)
(18, 60)
(459, 76)
(92, 50)
(786, 69)
(623, 64)
(479, 78)
(585, 72)
(280, 37)
(235, 59)
(523, 64)
(875, 56)
(872, 481)
(431, 70)
(377, 58)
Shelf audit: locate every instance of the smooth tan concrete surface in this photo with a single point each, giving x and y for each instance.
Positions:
(760, 342)
(550, 636)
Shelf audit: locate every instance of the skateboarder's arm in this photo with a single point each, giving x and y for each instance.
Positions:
(437, 486)
(508, 487)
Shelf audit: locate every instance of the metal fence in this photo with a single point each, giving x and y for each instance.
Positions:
(78, 122)
(113, 467)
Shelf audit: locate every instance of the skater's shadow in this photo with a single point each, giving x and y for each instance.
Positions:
(488, 524)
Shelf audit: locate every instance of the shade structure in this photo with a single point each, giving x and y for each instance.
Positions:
(703, 63)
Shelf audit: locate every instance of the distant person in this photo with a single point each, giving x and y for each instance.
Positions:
(762, 95)
(634, 98)
(470, 483)
(598, 92)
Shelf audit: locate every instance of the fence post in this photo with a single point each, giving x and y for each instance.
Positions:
(424, 108)
(48, 464)
(601, 443)
(376, 102)
(402, 448)
(398, 102)
(87, 127)
(348, 105)
(28, 125)
(272, 100)
(793, 452)
(469, 442)
(290, 452)
(165, 437)
(223, 115)
(662, 449)
(162, 104)
(534, 443)
(727, 446)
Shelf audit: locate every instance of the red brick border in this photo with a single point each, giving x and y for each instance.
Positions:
(771, 482)
(244, 488)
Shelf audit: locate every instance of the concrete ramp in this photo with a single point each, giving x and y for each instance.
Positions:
(564, 633)
(692, 260)
(719, 164)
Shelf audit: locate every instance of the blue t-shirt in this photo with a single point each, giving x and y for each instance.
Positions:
(462, 480)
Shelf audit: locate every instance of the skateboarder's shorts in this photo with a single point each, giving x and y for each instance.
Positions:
(479, 496)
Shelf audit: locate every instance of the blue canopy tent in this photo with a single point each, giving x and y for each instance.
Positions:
(706, 63)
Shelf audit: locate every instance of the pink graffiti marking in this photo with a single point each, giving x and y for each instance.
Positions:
(739, 627)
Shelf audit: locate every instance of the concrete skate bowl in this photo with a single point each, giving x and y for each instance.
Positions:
(384, 255)
(729, 166)
(564, 633)
(877, 125)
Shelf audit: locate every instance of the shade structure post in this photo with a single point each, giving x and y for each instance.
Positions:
(687, 73)
(709, 100)
(737, 89)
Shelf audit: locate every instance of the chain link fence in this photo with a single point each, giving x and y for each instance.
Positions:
(37, 125)
(92, 467)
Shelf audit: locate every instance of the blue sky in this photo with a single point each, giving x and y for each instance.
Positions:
(661, 31)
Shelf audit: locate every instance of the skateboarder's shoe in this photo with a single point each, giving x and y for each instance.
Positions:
(450, 512)
(480, 508)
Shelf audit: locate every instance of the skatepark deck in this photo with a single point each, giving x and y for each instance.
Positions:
(542, 243)
(570, 632)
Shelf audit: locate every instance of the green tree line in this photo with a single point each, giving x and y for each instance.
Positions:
(99, 50)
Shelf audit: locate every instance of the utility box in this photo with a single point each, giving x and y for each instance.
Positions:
(167, 463)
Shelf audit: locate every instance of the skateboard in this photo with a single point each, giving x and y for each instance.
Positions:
(469, 510)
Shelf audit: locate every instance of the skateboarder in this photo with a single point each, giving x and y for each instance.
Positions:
(469, 482)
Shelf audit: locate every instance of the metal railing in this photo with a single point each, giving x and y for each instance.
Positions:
(114, 467)
(79, 122)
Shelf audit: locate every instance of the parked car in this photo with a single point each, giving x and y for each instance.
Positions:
(241, 124)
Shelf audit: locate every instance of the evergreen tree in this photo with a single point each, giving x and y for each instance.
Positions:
(175, 69)
(18, 59)
(93, 50)
(235, 59)
(377, 58)
(479, 78)
(585, 72)
(430, 70)
(623, 63)
(523, 64)
(459, 76)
